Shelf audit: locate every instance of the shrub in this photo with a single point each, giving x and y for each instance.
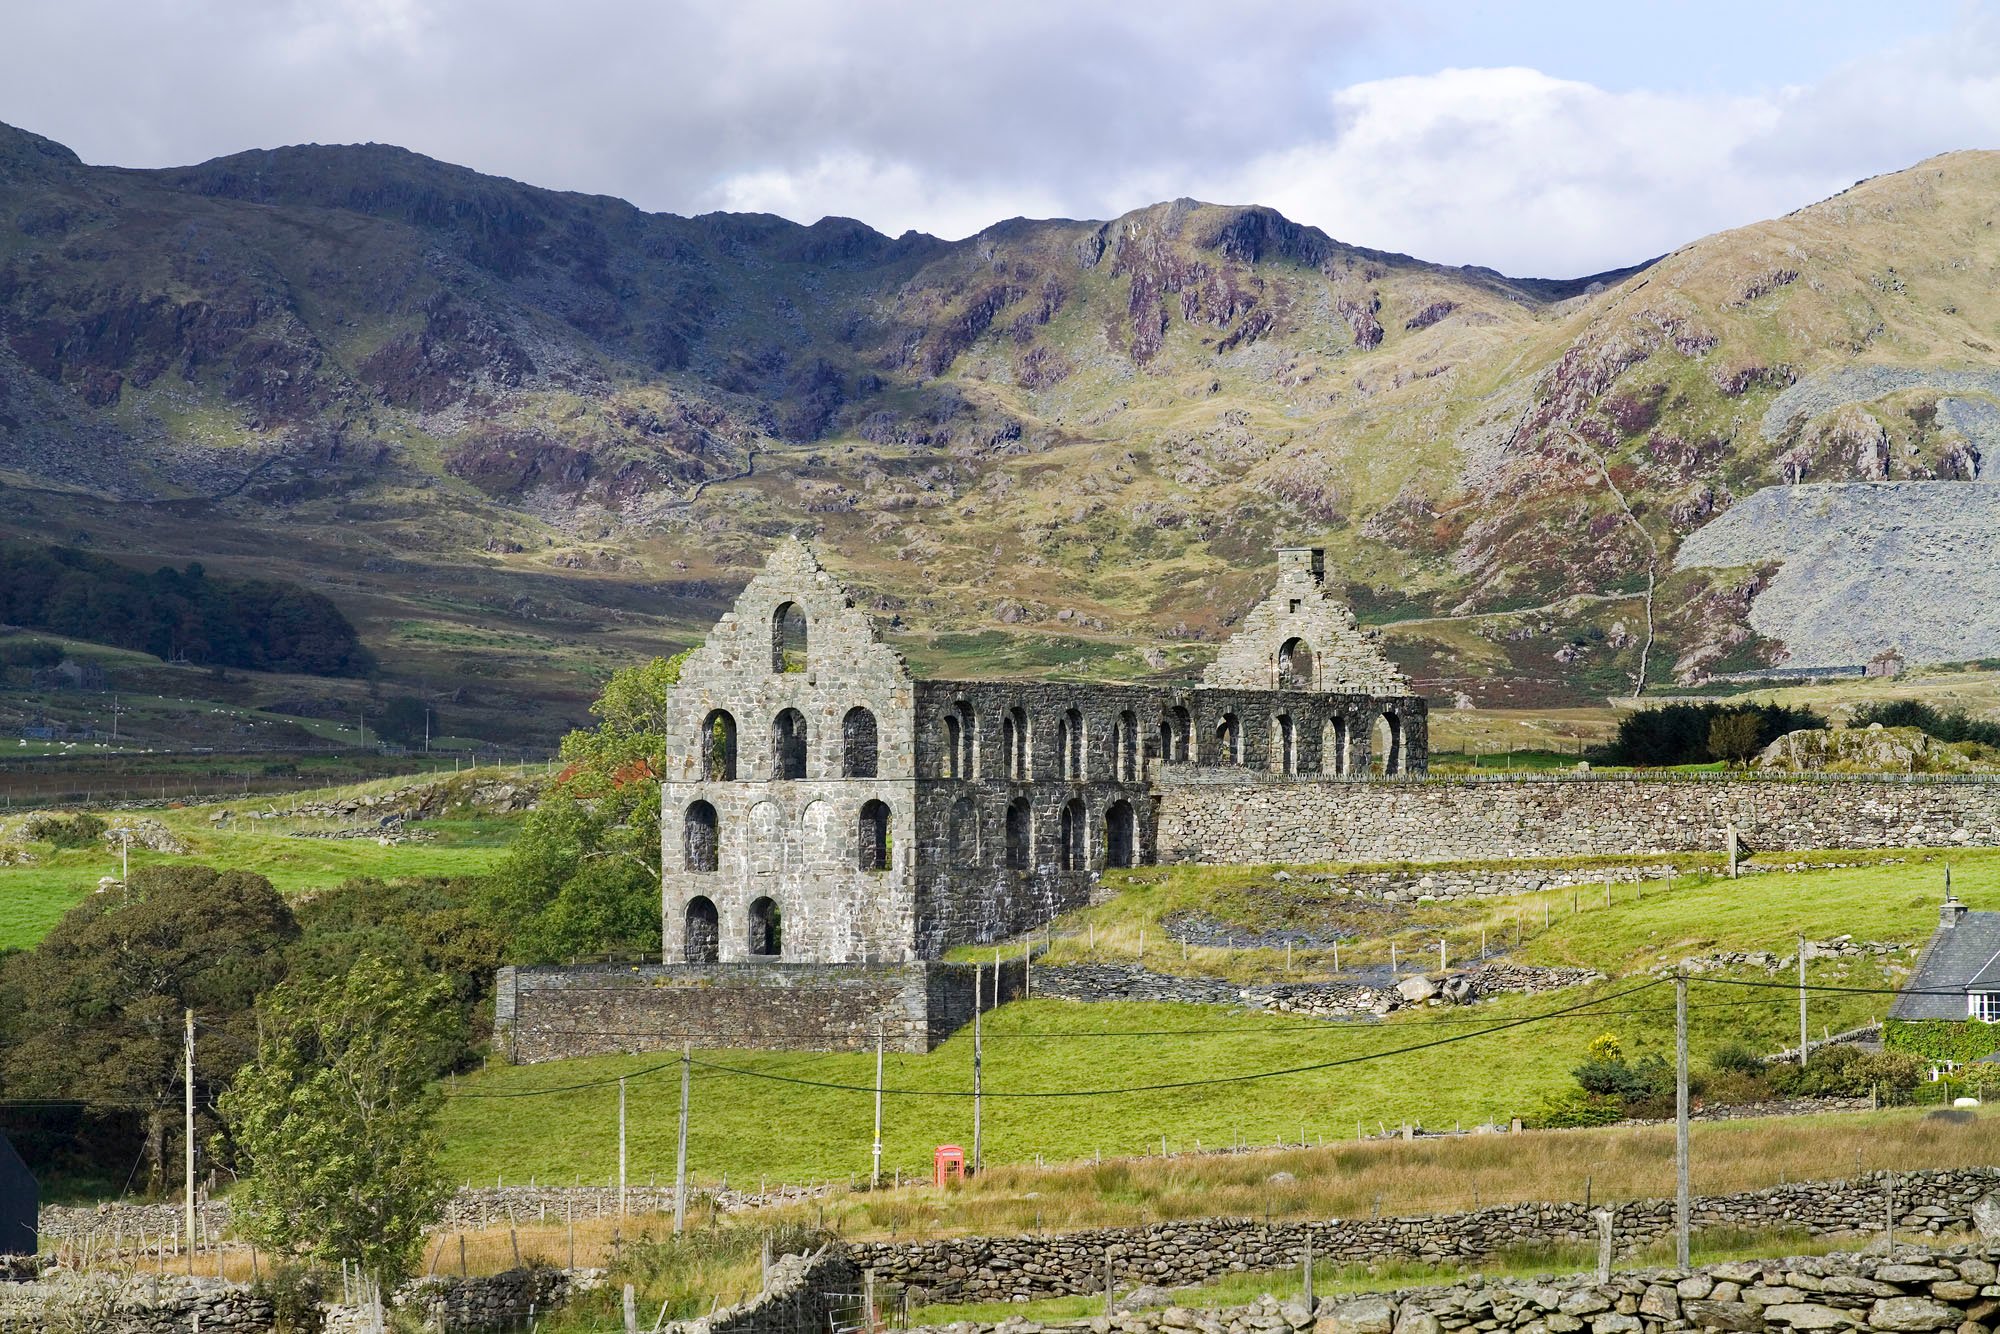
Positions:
(72, 831)
(1954, 726)
(1736, 1058)
(294, 1294)
(1679, 733)
(1570, 1108)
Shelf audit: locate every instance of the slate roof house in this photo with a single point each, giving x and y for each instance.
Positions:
(1958, 974)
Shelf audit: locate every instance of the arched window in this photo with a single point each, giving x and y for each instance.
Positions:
(767, 933)
(788, 638)
(953, 742)
(718, 747)
(968, 741)
(1014, 741)
(1175, 729)
(857, 744)
(1284, 746)
(701, 931)
(1069, 745)
(1121, 834)
(788, 745)
(1125, 747)
(1295, 665)
(873, 834)
(1020, 834)
(1333, 747)
(962, 833)
(1228, 740)
(1387, 758)
(700, 838)
(1074, 851)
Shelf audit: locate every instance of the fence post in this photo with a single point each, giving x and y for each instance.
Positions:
(1603, 1217)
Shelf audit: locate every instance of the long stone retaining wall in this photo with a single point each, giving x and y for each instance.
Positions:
(555, 1013)
(1911, 1291)
(1199, 1250)
(118, 1303)
(1246, 817)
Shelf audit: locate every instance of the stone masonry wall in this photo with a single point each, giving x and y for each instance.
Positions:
(1911, 1290)
(1232, 816)
(554, 1013)
(1198, 1250)
(801, 1293)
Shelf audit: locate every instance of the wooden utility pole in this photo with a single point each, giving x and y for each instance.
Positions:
(1681, 1121)
(978, 1059)
(189, 1135)
(621, 1146)
(681, 1152)
(1802, 1000)
(876, 1179)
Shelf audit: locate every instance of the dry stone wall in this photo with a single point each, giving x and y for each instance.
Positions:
(1199, 1250)
(801, 1295)
(1912, 1291)
(1234, 816)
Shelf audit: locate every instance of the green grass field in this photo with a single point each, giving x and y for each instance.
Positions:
(33, 897)
(1454, 1076)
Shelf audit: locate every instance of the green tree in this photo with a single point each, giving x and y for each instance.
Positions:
(582, 877)
(1735, 737)
(95, 1011)
(403, 720)
(630, 740)
(423, 925)
(335, 1120)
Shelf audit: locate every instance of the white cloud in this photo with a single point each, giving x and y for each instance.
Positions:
(948, 116)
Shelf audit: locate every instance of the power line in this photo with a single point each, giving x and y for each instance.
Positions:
(720, 1068)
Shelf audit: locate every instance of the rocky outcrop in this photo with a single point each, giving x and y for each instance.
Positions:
(1871, 749)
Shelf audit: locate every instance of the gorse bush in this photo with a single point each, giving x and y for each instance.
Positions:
(65, 831)
(1681, 733)
(1954, 726)
(1736, 1058)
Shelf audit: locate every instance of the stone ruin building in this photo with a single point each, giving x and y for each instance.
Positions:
(831, 826)
(821, 805)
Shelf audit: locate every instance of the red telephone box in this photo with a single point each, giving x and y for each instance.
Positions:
(948, 1164)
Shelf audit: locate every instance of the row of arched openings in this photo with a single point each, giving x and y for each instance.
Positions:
(1121, 834)
(701, 930)
(701, 838)
(860, 745)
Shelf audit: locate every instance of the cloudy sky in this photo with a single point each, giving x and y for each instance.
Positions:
(1551, 138)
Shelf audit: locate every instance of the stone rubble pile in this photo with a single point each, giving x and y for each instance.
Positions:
(1320, 999)
(1839, 947)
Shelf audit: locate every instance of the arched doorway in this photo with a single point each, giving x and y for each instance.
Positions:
(788, 745)
(873, 829)
(1295, 665)
(767, 939)
(1121, 834)
(1228, 740)
(701, 932)
(788, 638)
(718, 746)
(1075, 849)
(858, 746)
(1284, 745)
(701, 838)
(1020, 834)
(1386, 757)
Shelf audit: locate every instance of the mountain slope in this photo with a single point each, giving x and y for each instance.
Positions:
(480, 414)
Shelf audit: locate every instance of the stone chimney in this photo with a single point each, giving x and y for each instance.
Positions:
(1309, 562)
(1951, 912)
